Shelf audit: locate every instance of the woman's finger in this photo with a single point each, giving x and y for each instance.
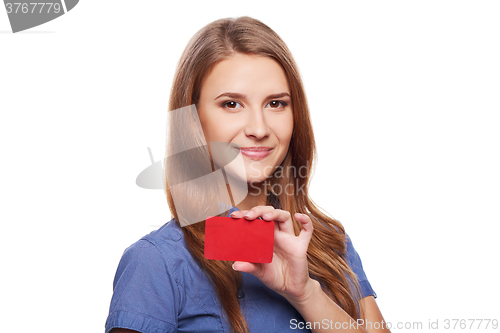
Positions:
(282, 218)
(307, 226)
(253, 213)
(238, 213)
(247, 267)
(258, 211)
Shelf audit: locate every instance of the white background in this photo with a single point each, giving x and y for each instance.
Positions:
(404, 98)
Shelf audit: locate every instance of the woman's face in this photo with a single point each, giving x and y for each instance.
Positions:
(245, 100)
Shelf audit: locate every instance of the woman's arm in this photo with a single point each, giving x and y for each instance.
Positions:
(288, 275)
(372, 316)
(318, 308)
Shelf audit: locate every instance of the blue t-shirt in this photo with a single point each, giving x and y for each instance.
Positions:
(159, 287)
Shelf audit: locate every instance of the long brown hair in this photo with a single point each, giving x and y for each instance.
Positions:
(326, 254)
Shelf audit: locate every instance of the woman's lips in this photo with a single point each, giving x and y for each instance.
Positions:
(256, 153)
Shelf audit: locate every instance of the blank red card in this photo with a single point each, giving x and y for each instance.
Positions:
(239, 239)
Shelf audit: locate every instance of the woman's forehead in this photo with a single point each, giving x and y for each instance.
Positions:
(247, 75)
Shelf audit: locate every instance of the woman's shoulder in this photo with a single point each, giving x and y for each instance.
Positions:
(351, 256)
(161, 255)
(164, 246)
(354, 261)
(151, 281)
(169, 233)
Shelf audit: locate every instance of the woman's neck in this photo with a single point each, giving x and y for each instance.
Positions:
(256, 197)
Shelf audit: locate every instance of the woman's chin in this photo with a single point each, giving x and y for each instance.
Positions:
(256, 181)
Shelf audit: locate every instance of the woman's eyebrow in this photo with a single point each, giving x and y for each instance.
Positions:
(231, 95)
(280, 95)
(241, 96)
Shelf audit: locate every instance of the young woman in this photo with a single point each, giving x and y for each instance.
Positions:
(237, 83)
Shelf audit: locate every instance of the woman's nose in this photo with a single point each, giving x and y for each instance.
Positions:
(257, 125)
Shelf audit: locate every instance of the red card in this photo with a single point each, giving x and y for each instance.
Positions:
(239, 239)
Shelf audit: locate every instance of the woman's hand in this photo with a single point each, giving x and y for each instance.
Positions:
(288, 273)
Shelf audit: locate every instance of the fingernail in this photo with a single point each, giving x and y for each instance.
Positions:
(267, 215)
(234, 213)
(249, 214)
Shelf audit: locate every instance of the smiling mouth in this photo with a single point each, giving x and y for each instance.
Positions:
(256, 153)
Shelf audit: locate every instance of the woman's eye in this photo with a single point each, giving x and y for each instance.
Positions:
(277, 104)
(231, 104)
